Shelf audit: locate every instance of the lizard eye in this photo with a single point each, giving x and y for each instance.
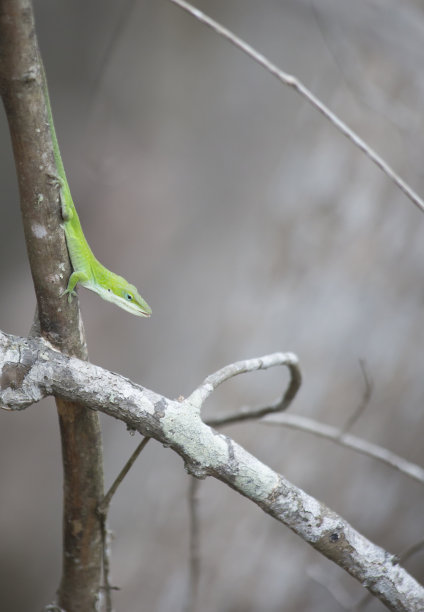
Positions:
(129, 297)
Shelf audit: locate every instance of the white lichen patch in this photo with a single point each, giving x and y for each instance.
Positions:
(312, 507)
(54, 278)
(183, 427)
(254, 478)
(197, 398)
(38, 230)
(365, 548)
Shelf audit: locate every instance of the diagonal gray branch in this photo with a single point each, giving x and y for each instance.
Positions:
(300, 88)
(30, 370)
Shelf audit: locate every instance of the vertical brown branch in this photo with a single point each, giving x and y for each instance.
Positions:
(21, 87)
(194, 560)
(83, 490)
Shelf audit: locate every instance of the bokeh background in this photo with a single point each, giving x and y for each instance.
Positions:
(251, 226)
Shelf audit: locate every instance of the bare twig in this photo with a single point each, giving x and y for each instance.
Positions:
(411, 550)
(250, 365)
(292, 81)
(107, 587)
(117, 33)
(332, 584)
(103, 510)
(104, 505)
(365, 400)
(348, 441)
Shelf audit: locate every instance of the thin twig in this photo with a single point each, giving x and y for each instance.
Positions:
(411, 550)
(104, 506)
(332, 584)
(107, 587)
(102, 512)
(368, 388)
(292, 81)
(242, 367)
(117, 34)
(348, 441)
(360, 605)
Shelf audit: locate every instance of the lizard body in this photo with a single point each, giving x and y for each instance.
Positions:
(87, 270)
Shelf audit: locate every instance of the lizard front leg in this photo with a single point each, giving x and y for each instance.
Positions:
(74, 279)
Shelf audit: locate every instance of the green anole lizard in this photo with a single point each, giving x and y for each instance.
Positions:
(87, 270)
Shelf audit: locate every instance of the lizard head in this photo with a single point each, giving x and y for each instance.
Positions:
(126, 296)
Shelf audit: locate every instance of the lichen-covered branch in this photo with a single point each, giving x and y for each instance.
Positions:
(31, 370)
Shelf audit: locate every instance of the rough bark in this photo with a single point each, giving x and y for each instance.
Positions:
(21, 85)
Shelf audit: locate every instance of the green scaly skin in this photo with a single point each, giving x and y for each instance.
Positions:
(88, 271)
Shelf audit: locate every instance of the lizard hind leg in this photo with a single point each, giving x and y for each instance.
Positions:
(66, 204)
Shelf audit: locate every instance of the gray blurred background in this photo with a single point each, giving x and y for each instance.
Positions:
(251, 226)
